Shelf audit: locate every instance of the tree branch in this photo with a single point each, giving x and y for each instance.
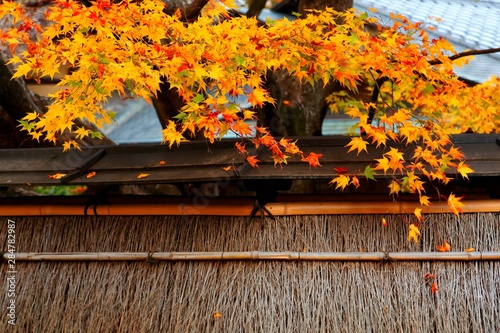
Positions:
(465, 54)
(189, 10)
(382, 80)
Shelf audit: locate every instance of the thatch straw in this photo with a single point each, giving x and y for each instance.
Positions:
(255, 296)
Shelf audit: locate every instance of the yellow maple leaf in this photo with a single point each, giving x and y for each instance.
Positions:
(142, 175)
(383, 164)
(379, 137)
(342, 181)
(418, 213)
(171, 135)
(413, 233)
(357, 143)
(395, 159)
(464, 169)
(258, 97)
(58, 175)
(424, 200)
(394, 187)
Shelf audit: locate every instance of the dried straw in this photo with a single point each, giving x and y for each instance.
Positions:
(255, 296)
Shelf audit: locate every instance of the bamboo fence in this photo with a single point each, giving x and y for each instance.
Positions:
(229, 208)
(259, 255)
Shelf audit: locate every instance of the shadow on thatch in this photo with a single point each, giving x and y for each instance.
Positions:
(254, 296)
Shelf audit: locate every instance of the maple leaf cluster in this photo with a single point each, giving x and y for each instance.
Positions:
(129, 47)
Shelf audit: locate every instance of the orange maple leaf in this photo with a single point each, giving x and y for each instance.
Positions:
(455, 204)
(434, 287)
(241, 148)
(444, 248)
(79, 189)
(312, 159)
(355, 181)
(91, 174)
(142, 175)
(252, 160)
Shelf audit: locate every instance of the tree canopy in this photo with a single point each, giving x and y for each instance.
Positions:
(130, 48)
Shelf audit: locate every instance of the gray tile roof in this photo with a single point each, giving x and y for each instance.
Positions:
(467, 24)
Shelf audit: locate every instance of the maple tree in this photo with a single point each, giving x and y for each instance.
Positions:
(132, 48)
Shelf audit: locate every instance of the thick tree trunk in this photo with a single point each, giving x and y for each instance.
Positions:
(300, 108)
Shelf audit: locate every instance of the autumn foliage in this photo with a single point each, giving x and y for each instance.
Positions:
(129, 48)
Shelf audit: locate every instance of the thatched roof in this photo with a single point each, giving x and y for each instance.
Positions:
(254, 296)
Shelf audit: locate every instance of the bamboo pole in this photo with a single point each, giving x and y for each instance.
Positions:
(255, 255)
(244, 209)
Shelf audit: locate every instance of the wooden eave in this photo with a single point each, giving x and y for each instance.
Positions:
(199, 161)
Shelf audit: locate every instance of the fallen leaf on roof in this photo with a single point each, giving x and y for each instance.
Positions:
(162, 163)
(312, 159)
(143, 175)
(470, 249)
(91, 174)
(341, 170)
(355, 181)
(79, 189)
(57, 175)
